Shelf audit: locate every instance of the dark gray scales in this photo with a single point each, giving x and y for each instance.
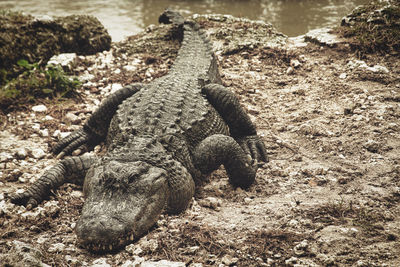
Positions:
(161, 137)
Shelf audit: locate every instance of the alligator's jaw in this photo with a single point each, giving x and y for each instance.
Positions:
(124, 200)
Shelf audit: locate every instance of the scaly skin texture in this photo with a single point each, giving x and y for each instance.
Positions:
(161, 138)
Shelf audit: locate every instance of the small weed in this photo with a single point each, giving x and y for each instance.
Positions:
(36, 82)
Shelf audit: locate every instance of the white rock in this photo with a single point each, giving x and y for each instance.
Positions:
(229, 260)
(44, 132)
(129, 68)
(48, 118)
(21, 153)
(295, 63)
(210, 202)
(38, 153)
(101, 262)
(64, 60)
(58, 247)
(290, 70)
(39, 108)
(343, 75)
(4, 156)
(162, 263)
(72, 118)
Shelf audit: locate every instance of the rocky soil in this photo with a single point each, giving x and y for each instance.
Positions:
(329, 196)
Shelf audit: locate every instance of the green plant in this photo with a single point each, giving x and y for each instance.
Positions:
(36, 82)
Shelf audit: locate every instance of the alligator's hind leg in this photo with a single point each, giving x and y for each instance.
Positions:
(240, 126)
(70, 169)
(95, 128)
(222, 149)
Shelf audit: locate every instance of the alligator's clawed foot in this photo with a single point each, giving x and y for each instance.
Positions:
(254, 147)
(75, 141)
(26, 198)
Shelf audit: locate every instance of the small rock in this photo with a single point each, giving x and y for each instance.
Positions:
(38, 153)
(102, 262)
(372, 146)
(210, 202)
(292, 261)
(71, 260)
(5, 157)
(229, 260)
(44, 133)
(162, 263)
(290, 70)
(343, 75)
(21, 153)
(65, 60)
(301, 248)
(136, 263)
(72, 118)
(39, 108)
(323, 36)
(295, 63)
(58, 247)
(247, 200)
(48, 118)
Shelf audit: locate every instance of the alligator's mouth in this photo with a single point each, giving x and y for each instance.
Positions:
(109, 246)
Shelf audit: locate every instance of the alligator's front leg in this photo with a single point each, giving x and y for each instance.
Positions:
(70, 169)
(95, 128)
(222, 149)
(240, 126)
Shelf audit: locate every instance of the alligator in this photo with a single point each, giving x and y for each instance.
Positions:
(162, 139)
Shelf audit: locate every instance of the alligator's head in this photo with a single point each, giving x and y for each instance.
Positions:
(123, 201)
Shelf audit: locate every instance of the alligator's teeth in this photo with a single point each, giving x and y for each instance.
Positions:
(131, 237)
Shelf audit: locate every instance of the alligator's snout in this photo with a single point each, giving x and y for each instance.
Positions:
(123, 201)
(101, 234)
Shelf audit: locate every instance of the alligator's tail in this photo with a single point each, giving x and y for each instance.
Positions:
(171, 17)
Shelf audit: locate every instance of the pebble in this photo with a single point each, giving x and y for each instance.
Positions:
(71, 260)
(210, 202)
(48, 118)
(247, 200)
(343, 75)
(21, 153)
(136, 262)
(5, 157)
(72, 118)
(301, 248)
(290, 70)
(101, 262)
(65, 60)
(229, 260)
(295, 63)
(38, 153)
(39, 108)
(44, 133)
(58, 247)
(162, 263)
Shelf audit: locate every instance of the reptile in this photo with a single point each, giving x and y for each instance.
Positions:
(162, 139)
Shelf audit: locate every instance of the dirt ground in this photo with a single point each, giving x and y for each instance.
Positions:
(329, 196)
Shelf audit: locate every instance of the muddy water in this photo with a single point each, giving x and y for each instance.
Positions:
(126, 17)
